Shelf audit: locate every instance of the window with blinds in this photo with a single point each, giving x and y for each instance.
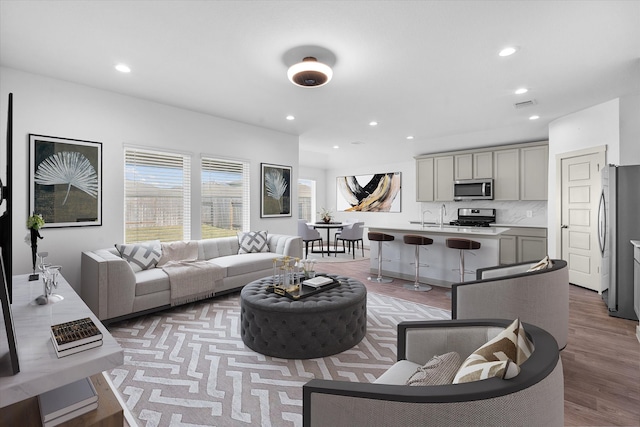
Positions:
(157, 196)
(307, 199)
(225, 197)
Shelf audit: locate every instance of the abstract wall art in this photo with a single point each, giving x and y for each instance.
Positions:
(65, 182)
(275, 200)
(369, 193)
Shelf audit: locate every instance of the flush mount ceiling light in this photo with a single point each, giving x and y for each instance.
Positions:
(521, 90)
(310, 73)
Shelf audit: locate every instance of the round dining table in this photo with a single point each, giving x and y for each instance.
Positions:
(328, 226)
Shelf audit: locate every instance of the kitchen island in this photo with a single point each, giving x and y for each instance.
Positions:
(438, 263)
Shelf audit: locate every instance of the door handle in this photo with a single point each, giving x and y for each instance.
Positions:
(564, 226)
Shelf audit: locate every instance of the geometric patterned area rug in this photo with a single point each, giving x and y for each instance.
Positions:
(188, 366)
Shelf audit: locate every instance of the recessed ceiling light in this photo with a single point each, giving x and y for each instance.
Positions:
(290, 117)
(507, 51)
(123, 68)
(521, 90)
(373, 123)
(534, 117)
(336, 147)
(410, 137)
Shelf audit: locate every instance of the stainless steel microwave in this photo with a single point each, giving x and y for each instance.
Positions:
(473, 189)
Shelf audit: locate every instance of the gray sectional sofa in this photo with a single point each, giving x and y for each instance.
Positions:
(113, 291)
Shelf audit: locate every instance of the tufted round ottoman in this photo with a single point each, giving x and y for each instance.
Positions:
(327, 323)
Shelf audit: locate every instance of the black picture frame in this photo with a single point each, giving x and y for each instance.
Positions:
(65, 181)
(9, 364)
(275, 194)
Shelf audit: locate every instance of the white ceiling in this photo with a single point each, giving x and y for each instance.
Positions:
(423, 68)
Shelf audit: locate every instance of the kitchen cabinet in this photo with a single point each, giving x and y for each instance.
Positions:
(534, 172)
(483, 165)
(424, 179)
(508, 250)
(473, 165)
(519, 172)
(463, 166)
(521, 244)
(506, 174)
(443, 178)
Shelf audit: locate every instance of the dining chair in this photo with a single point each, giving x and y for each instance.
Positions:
(352, 234)
(309, 235)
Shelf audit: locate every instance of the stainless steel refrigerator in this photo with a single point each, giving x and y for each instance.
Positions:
(618, 223)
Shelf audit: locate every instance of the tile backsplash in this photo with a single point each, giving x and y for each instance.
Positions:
(512, 212)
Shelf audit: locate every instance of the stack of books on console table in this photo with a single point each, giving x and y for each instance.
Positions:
(67, 402)
(77, 335)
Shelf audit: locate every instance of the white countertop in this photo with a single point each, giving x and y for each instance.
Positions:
(635, 243)
(492, 225)
(446, 229)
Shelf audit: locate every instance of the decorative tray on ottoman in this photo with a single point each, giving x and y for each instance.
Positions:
(296, 292)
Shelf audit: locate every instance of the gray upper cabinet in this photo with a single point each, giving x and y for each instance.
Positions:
(483, 165)
(534, 172)
(443, 178)
(424, 179)
(506, 178)
(473, 165)
(519, 171)
(463, 166)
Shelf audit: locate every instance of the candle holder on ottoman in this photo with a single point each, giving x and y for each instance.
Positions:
(320, 325)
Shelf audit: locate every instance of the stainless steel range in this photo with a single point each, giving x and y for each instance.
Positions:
(470, 217)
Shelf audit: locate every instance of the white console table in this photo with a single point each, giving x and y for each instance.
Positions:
(40, 369)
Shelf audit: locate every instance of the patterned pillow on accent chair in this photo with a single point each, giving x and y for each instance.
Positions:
(499, 357)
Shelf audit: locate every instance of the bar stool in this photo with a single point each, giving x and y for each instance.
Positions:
(417, 241)
(379, 237)
(462, 245)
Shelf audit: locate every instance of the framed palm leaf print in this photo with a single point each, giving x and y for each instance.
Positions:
(65, 181)
(275, 197)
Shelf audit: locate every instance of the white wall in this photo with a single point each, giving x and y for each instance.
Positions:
(630, 129)
(56, 108)
(614, 124)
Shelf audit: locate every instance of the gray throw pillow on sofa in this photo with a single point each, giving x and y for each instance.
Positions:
(140, 256)
(252, 241)
(439, 370)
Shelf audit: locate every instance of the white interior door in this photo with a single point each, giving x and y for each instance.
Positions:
(580, 195)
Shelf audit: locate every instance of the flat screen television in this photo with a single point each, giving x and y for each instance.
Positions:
(5, 201)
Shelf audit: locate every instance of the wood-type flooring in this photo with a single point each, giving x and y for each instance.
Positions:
(601, 361)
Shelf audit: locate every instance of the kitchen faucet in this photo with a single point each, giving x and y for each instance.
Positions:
(443, 212)
(422, 218)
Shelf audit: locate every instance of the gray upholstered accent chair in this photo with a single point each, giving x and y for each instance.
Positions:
(309, 235)
(508, 291)
(535, 397)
